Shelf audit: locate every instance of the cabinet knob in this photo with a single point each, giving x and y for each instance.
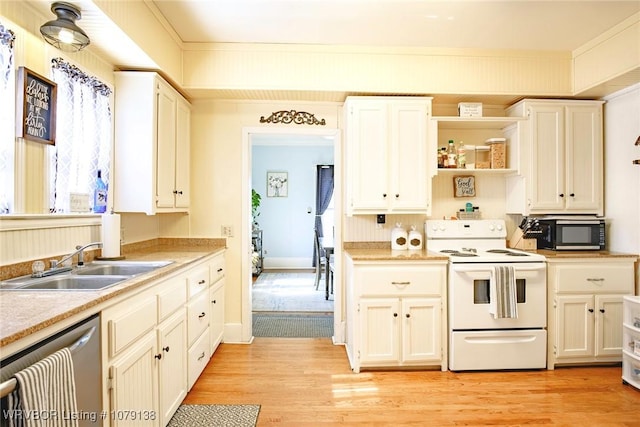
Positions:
(572, 194)
(561, 194)
(408, 315)
(602, 310)
(213, 302)
(201, 282)
(158, 356)
(177, 192)
(395, 314)
(220, 270)
(202, 315)
(397, 196)
(591, 310)
(384, 194)
(165, 349)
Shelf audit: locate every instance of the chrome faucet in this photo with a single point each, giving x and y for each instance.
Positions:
(80, 251)
(54, 269)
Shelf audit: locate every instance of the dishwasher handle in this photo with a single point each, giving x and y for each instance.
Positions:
(9, 386)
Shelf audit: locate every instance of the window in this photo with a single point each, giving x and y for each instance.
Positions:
(7, 121)
(83, 135)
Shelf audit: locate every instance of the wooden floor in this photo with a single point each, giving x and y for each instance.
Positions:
(308, 382)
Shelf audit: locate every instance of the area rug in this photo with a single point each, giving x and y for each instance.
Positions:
(293, 325)
(289, 291)
(215, 416)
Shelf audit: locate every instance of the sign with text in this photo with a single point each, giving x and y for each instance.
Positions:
(36, 101)
(464, 186)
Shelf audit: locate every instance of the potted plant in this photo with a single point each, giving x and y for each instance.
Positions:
(255, 204)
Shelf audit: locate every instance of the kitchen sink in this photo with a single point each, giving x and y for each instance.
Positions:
(93, 276)
(123, 268)
(73, 282)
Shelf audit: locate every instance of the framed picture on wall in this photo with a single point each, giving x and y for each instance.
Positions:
(36, 107)
(464, 186)
(277, 184)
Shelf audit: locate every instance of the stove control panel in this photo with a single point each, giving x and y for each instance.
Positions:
(466, 229)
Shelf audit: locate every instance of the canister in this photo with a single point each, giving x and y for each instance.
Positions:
(415, 239)
(398, 238)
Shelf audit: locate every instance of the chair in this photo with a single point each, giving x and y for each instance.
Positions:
(320, 258)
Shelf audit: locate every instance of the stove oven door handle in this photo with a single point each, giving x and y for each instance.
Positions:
(486, 270)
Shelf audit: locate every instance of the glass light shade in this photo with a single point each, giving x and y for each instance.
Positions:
(63, 33)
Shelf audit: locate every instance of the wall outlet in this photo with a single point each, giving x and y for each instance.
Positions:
(227, 231)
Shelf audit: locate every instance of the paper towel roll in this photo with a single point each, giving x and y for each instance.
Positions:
(110, 235)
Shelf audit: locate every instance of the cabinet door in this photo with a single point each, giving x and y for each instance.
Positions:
(380, 324)
(183, 138)
(575, 326)
(609, 313)
(408, 156)
(367, 162)
(421, 325)
(172, 342)
(217, 314)
(135, 385)
(547, 134)
(165, 169)
(583, 191)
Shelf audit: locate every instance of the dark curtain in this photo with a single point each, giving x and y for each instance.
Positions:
(324, 191)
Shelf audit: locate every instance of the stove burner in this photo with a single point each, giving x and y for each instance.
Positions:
(449, 251)
(507, 252)
(517, 254)
(463, 254)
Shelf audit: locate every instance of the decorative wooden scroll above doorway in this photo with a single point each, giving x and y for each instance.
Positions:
(293, 116)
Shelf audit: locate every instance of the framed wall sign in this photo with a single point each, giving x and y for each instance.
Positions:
(277, 184)
(464, 186)
(36, 107)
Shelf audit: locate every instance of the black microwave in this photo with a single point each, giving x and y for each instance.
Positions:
(561, 234)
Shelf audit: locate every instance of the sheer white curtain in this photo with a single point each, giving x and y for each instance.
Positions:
(7, 120)
(83, 135)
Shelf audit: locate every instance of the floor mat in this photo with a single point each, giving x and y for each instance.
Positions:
(293, 325)
(215, 415)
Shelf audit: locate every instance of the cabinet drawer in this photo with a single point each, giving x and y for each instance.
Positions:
(217, 268)
(400, 280)
(198, 280)
(594, 278)
(171, 297)
(128, 326)
(632, 311)
(199, 356)
(197, 316)
(631, 340)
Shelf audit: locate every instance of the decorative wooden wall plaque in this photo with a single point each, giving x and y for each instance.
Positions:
(36, 107)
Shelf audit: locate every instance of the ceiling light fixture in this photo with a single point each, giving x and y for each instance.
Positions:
(63, 32)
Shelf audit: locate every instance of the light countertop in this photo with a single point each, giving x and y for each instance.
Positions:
(23, 313)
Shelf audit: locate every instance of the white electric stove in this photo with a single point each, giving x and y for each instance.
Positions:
(477, 339)
(481, 240)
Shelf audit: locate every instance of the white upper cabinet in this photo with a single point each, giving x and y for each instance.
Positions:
(561, 159)
(152, 138)
(387, 159)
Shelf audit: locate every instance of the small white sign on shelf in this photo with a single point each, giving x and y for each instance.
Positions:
(470, 109)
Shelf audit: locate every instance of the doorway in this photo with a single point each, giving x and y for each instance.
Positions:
(264, 138)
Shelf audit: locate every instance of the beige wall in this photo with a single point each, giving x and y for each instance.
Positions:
(218, 173)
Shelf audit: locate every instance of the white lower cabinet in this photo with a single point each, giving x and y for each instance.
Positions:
(156, 343)
(393, 330)
(395, 314)
(585, 309)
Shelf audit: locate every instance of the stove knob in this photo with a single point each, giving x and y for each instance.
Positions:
(491, 227)
(442, 228)
(434, 227)
(499, 227)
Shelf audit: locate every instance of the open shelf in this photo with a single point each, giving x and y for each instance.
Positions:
(447, 171)
(454, 122)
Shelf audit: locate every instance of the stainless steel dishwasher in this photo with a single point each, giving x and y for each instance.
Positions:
(83, 339)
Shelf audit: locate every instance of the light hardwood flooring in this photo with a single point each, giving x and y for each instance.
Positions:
(308, 382)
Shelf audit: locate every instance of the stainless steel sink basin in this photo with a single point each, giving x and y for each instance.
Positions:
(93, 276)
(71, 282)
(122, 268)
